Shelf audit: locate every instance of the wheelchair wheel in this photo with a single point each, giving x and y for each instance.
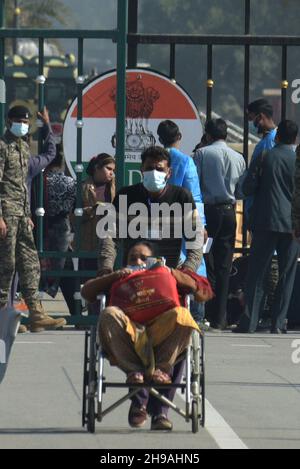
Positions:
(195, 416)
(92, 382)
(85, 378)
(91, 416)
(100, 381)
(202, 380)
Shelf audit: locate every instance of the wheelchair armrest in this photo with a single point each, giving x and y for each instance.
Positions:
(188, 299)
(102, 300)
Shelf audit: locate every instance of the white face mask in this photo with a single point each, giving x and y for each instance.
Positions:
(136, 268)
(154, 181)
(19, 129)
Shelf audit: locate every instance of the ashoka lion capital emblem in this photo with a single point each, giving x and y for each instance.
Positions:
(140, 103)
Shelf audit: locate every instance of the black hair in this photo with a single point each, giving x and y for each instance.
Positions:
(216, 129)
(149, 245)
(168, 132)
(267, 110)
(59, 160)
(133, 243)
(256, 105)
(98, 162)
(157, 154)
(203, 143)
(287, 132)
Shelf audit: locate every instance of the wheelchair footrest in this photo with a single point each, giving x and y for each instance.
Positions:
(143, 386)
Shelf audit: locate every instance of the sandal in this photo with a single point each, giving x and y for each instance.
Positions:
(161, 423)
(159, 377)
(135, 377)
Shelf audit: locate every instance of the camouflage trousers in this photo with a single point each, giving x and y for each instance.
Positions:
(18, 253)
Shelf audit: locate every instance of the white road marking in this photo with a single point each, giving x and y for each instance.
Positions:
(249, 345)
(34, 343)
(219, 429)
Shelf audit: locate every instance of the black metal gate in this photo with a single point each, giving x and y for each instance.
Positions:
(134, 39)
(210, 41)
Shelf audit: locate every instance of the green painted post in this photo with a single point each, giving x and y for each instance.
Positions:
(40, 212)
(2, 70)
(79, 124)
(79, 167)
(121, 90)
(121, 100)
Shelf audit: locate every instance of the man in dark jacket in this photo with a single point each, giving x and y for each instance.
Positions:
(271, 180)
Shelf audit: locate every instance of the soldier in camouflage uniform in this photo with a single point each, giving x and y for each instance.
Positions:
(296, 199)
(17, 247)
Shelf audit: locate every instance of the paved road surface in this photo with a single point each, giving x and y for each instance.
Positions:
(253, 389)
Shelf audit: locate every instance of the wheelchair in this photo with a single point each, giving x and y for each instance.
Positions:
(95, 384)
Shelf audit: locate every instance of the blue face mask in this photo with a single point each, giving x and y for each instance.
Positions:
(253, 128)
(19, 129)
(154, 181)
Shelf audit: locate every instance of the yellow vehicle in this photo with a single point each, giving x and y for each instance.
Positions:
(60, 87)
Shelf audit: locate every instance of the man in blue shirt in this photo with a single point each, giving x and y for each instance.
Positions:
(184, 174)
(220, 170)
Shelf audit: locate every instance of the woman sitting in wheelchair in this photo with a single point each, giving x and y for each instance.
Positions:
(145, 329)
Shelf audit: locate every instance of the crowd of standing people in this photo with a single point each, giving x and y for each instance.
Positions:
(213, 180)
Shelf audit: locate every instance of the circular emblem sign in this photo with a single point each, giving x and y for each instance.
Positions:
(150, 99)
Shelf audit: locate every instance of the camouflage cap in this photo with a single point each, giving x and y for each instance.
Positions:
(18, 112)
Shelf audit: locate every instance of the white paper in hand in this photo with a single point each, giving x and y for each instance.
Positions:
(207, 246)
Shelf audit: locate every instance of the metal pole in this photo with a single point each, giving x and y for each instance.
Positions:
(79, 124)
(284, 83)
(246, 102)
(79, 167)
(17, 13)
(132, 28)
(40, 212)
(173, 61)
(247, 16)
(2, 70)
(210, 82)
(121, 91)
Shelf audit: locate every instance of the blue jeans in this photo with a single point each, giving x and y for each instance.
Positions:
(198, 311)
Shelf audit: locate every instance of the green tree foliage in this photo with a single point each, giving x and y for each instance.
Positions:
(37, 13)
(268, 17)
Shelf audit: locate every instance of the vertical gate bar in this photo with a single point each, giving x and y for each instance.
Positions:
(121, 91)
(284, 83)
(133, 29)
(247, 16)
(246, 102)
(173, 61)
(17, 13)
(40, 212)
(79, 167)
(2, 70)
(79, 126)
(210, 82)
(121, 100)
